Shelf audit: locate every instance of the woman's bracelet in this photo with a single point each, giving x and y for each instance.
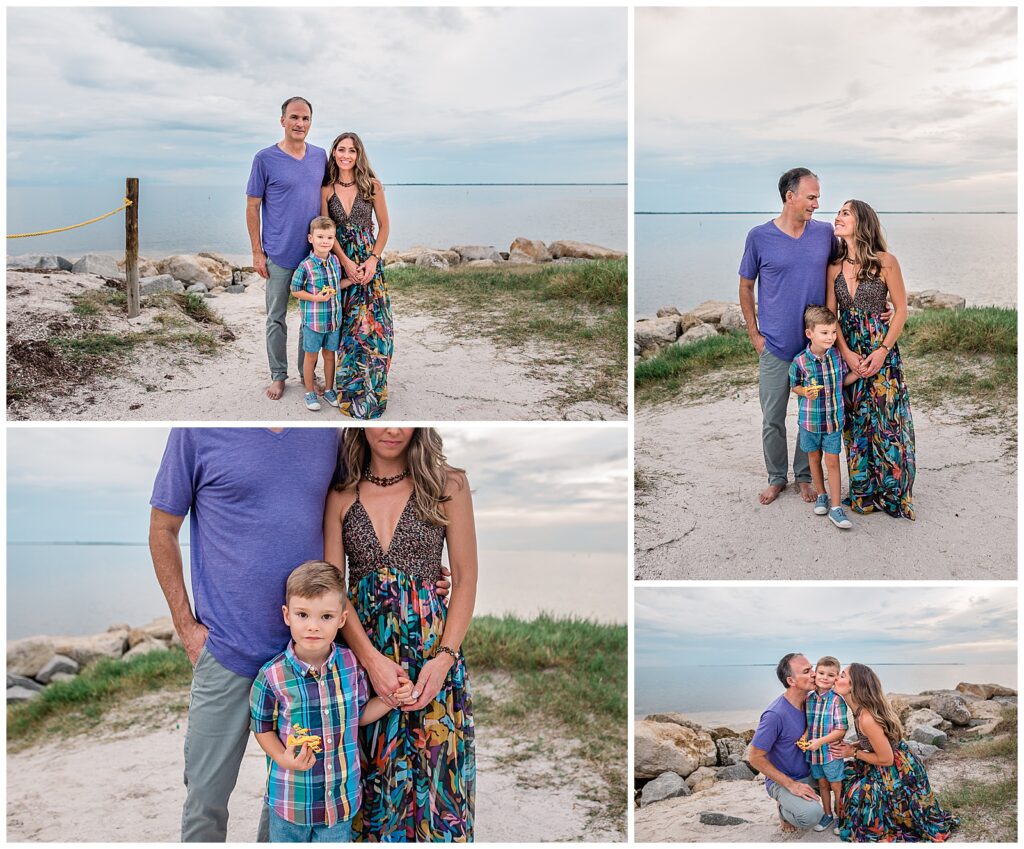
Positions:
(375, 255)
(888, 350)
(446, 650)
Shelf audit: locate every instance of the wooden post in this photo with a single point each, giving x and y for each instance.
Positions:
(131, 245)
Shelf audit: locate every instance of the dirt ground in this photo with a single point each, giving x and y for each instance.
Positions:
(434, 375)
(698, 517)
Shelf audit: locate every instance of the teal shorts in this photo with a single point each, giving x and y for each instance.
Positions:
(831, 771)
(830, 443)
(313, 341)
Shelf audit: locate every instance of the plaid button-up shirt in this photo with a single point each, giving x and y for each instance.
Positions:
(824, 413)
(825, 714)
(311, 276)
(327, 701)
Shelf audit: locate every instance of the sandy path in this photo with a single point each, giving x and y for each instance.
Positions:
(701, 518)
(434, 375)
(127, 786)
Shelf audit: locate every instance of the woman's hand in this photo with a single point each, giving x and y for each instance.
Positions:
(842, 749)
(429, 682)
(854, 361)
(352, 271)
(873, 362)
(387, 678)
(368, 268)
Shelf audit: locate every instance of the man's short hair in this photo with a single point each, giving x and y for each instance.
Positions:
(828, 661)
(816, 314)
(783, 671)
(321, 222)
(788, 182)
(313, 579)
(291, 100)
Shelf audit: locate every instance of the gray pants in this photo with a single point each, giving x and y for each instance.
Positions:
(795, 810)
(218, 730)
(775, 393)
(278, 292)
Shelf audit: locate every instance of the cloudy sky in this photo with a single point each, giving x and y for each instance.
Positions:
(187, 95)
(537, 488)
(910, 109)
(690, 626)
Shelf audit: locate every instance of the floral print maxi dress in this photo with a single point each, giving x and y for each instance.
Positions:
(879, 429)
(367, 331)
(418, 768)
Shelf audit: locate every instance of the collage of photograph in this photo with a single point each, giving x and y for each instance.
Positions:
(371, 528)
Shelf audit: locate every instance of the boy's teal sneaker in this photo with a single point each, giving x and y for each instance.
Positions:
(311, 402)
(331, 397)
(821, 505)
(824, 822)
(837, 516)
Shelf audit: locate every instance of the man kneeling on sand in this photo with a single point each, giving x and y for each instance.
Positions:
(774, 751)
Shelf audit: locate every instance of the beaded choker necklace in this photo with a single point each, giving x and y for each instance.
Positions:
(374, 479)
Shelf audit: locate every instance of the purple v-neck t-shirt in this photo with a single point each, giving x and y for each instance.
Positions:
(780, 727)
(790, 275)
(255, 501)
(290, 189)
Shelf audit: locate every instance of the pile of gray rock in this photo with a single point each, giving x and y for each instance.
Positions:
(675, 756)
(521, 251)
(34, 663)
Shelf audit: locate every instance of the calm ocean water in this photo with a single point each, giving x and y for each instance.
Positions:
(682, 260)
(737, 694)
(180, 219)
(90, 587)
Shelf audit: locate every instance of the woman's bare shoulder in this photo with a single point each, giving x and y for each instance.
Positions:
(339, 500)
(888, 260)
(456, 482)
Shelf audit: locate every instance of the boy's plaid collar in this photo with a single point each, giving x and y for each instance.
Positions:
(304, 668)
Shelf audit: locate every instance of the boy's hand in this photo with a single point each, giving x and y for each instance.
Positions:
(300, 762)
(813, 745)
(323, 297)
(403, 695)
(810, 391)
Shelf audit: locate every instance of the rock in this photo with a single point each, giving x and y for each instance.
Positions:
(528, 250)
(202, 268)
(985, 691)
(147, 268)
(951, 707)
(714, 818)
(923, 751)
(929, 735)
(160, 283)
(582, 250)
(736, 772)
(654, 333)
(20, 694)
(711, 312)
(933, 299)
(695, 334)
(732, 319)
(666, 747)
(689, 320)
(701, 778)
(39, 262)
(922, 716)
(58, 677)
(667, 311)
(235, 289)
(730, 750)
(483, 263)
(668, 785)
(985, 711)
(27, 656)
(1005, 700)
(432, 259)
(916, 700)
(84, 650)
(121, 626)
(161, 628)
(398, 264)
(678, 719)
(477, 253)
(145, 647)
(22, 681)
(201, 289)
(569, 260)
(985, 728)
(57, 664)
(98, 264)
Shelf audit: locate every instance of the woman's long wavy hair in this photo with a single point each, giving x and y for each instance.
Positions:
(868, 239)
(364, 172)
(428, 468)
(867, 694)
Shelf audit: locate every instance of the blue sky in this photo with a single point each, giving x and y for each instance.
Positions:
(536, 488)
(187, 95)
(967, 623)
(906, 108)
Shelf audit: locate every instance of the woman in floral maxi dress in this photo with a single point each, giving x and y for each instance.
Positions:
(418, 763)
(352, 195)
(878, 429)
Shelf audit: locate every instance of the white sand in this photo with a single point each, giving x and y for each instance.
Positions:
(702, 520)
(435, 375)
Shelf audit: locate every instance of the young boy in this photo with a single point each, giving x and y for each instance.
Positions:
(826, 723)
(306, 705)
(316, 283)
(817, 375)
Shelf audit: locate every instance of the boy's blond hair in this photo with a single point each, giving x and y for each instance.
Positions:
(321, 222)
(816, 314)
(829, 661)
(313, 579)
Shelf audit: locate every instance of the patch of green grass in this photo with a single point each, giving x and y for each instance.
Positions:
(663, 375)
(94, 344)
(96, 301)
(67, 707)
(991, 747)
(987, 811)
(975, 330)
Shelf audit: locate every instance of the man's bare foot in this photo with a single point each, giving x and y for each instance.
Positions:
(773, 491)
(275, 390)
(807, 492)
(787, 827)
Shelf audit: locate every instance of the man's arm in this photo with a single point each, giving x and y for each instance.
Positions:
(166, 554)
(252, 222)
(750, 314)
(759, 760)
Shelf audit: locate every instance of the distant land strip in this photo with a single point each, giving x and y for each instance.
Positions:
(508, 184)
(822, 212)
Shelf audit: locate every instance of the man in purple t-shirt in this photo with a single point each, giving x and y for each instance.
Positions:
(788, 257)
(283, 190)
(775, 754)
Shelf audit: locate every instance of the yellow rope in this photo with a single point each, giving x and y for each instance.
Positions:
(125, 205)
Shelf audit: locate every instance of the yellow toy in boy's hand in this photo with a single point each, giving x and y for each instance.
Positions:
(301, 735)
(814, 388)
(328, 290)
(802, 743)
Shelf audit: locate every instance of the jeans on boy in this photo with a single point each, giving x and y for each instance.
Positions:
(282, 831)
